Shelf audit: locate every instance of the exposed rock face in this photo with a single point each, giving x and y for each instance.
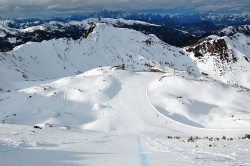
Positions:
(213, 47)
(90, 30)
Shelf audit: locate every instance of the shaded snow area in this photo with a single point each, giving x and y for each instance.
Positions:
(201, 102)
(68, 102)
(108, 116)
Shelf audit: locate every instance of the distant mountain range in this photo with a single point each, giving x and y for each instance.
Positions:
(13, 33)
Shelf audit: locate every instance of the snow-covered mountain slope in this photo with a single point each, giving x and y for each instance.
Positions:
(102, 100)
(12, 27)
(111, 114)
(224, 58)
(40, 64)
(232, 30)
(14, 33)
(200, 102)
(58, 107)
(105, 46)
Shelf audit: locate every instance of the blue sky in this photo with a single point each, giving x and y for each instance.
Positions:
(37, 8)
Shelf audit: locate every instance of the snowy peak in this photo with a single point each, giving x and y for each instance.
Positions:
(232, 30)
(230, 39)
(105, 45)
(215, 46)
(224, 58)
(14, 34)
(117, 22)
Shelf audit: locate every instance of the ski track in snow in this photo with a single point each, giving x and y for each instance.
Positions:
(65, 99)
(142, 154)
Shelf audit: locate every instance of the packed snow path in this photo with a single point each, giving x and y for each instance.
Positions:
(127, 129)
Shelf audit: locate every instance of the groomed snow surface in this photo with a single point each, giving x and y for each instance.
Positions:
(108, 116)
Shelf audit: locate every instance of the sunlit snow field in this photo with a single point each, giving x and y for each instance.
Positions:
(109, 116)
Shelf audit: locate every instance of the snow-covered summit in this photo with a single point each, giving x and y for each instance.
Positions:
(16, 33)
(225, 57)
(231, 30)
(110, 21)
(222, 58)
(105, 46)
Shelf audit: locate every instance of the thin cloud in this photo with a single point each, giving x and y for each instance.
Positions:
(217, 7)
